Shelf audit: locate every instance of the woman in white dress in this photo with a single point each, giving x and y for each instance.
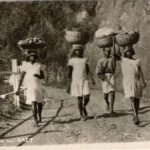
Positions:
(78, 75)
(133, 80)
(32, 75)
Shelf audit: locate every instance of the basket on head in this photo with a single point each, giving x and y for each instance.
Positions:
(106, 41)
(124, 39)
(78, 47)
(32, 43)
(77, 37)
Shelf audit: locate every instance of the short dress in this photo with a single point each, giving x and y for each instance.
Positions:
(131, 77)
(108, 85)
(35, 90)
(80, 83)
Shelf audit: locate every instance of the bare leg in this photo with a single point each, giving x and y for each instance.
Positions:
(80, 106)
(106, 100)
(34, 110)
(112, 100)
(135, 112)
(40, 106)
(86, 101)
(137, 104)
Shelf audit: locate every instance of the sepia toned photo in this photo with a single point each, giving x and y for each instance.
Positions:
(75, 73)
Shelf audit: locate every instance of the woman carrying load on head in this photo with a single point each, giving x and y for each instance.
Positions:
(32, 74)
(78, 76)
(133, 79)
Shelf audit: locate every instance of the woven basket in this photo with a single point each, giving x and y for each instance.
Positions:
(76, 37)
(125, 39)
(32, 46)
(31, 43)
(104, 42)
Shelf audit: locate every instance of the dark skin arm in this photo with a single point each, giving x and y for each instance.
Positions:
(142, 76)
(116, 54)
(20, 82)
(89, 73)
(40, 76)
(101, 76)
(70, 69)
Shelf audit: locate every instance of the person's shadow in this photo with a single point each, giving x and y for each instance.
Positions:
(144, 110)
(146, 123)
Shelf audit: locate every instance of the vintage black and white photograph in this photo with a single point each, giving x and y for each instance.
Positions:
(74, 72)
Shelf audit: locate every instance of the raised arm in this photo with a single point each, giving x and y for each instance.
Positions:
(116, 52)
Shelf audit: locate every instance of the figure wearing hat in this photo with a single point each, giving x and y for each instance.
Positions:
(133, 79)
(31, 75)
(105, 70)
(79, 73)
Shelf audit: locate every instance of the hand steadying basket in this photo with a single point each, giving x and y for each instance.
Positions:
(77, 37)
(124, 39)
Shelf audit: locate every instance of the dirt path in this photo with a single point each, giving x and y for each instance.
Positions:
(61, 123)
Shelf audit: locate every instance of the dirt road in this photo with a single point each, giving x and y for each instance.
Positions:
(61, 123)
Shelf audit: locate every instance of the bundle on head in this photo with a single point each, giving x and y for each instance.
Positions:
(104, 42)
(128, 38)
(103, 37)
(32, 43)
(77, 37)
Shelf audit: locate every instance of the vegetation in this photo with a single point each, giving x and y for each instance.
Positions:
(46, 20)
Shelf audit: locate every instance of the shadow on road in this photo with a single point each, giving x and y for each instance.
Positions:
(66, 121)
(141, 108)
(14, 127)
(23, 135)
(45, 125)
(146, 123)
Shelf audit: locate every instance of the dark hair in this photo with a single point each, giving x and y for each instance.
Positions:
(133, 53)
(28, 57)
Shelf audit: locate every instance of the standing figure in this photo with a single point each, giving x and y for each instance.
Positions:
(105, 70)
(78, 75)
(133, 80)
(32, 74)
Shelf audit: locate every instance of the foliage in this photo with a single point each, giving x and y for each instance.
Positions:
(46, 20)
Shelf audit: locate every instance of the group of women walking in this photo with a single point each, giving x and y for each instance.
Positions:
(133, 79)
(79, 74)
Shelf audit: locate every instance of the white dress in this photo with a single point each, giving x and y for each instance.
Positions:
(80, 83)
(35, 91)
(131, 77)
(108, 85)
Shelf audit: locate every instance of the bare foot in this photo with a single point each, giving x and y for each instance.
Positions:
(107, 109)
(136, 121)
(35, 124)
(112, 112)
